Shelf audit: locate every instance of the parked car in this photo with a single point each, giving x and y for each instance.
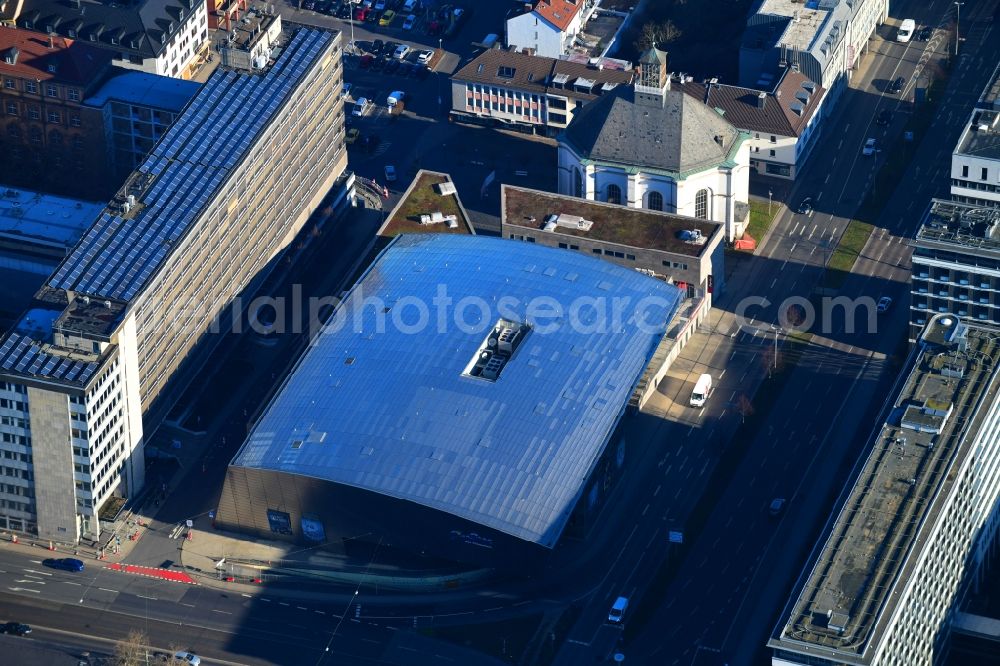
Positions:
(187, 657)
(345, 92)
(883, 118)
(15, 628)
(392, 66)
(360, 107)
(387, 18)
(377, 46)
(423, 71)
(617, 612)
(366, 61)
(424, 57)
(390, 173)
(371, 142)
(352, 136)
(806, 206)
(884, 304)
(380, 5)
(410, 21)
(896, 86)
(360, 14)
(925, 33)
(406, 68)
(389, 48)
(777, 506)
(869, 148)
(64, 563)
(379, 63)
(401, 51)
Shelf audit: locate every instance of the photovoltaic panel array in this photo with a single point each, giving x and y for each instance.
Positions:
(188, 167)
(382, 404)
(22, 355)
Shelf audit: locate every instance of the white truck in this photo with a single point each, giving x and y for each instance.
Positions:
(394, 98)
(905, 31)
(702, 389)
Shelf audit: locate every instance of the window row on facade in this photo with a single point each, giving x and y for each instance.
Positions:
(32, 87)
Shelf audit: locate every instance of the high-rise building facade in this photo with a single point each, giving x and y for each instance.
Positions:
(975, 162)
(137, 301)
(918, 521)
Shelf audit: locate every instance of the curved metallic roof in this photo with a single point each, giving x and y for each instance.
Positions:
(387, 407)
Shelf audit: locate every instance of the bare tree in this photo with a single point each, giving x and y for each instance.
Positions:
(656, 34)
(131, 650)
(744, 407)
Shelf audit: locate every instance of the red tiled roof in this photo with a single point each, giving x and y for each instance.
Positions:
(73, 62)
(558, 12)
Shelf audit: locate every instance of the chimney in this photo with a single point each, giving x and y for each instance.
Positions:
(761, 100)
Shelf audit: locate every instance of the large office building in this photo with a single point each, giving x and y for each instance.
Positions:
(167, 37)
(823, 39)
(975, 162)
(956, 265)
(444, 409)
(135, 304)
(917, 523)
(650, 145)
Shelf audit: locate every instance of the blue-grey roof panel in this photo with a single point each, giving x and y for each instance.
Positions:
(380, 401)
(188, 166)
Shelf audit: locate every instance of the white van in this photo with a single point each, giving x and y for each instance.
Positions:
(906, 29)
(409, 5)
(618, 610)
(701, 391)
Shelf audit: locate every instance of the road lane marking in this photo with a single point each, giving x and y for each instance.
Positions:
(248, 596)
(144, 597)
(24, 589)
(40, 573)
(302, 608)
(282, 603)
(104, 589)
(216, 610)
(188, 605)
(69, 582)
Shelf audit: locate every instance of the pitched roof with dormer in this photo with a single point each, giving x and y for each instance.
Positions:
(143, 27)
(559, 13)
(31, 55)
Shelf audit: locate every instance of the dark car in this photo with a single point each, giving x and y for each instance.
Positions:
(377, 47)
(15, 628)
(806, 207)
(406, 69)
(389, 48)
(371, 142)
(422, 72)
(366, 61)
(896, 86)
(65, 563)
(925, 33)
(344, 12)
(379, 64)
(883, 118)
(392, 66)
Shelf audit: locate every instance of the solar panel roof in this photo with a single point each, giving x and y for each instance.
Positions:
(20, 354)
(381, 400)
(191, 163)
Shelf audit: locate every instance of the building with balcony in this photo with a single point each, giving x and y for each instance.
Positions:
(140, 301)
(783, 122)
(822, 39)
(918, 521)
(653, 146)
(975, 163)
(167, 37)
(547, 27)
(47, 138)
(956, 265)
(136, 110)
(531, 92)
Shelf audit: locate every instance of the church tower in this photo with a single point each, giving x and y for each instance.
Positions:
(653, 82)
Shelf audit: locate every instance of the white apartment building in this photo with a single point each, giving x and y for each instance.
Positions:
(783, 123)
(823, 39)
(138, 301)
(975, 162)
(918, 522)
(650, 146)
(547, 27)
(166, 37)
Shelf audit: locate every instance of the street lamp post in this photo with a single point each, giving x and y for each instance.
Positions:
(958, 17)
(440, 99)
(769, 195)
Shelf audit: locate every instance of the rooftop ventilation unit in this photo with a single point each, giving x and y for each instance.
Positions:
(692, 236)
(553, 222)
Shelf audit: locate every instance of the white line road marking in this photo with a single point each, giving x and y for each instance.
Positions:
(24, 589)
(282, 603)
(320, 612)
(69, 582)
(29, 580)
(302, 608)
(645, 510)
(188, 605)
(248, 596)
(267, 600)
(144, 597)
(104, 589)
(40, 573)
(216, 610)
(657, 491)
